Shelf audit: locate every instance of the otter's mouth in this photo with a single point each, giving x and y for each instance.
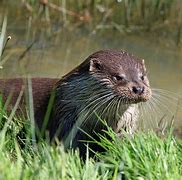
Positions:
(140, 99)
(134, 100)
(130, 97)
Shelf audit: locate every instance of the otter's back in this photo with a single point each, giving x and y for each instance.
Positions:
(41, 90)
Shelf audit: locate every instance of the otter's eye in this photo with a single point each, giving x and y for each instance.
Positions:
(118, 78)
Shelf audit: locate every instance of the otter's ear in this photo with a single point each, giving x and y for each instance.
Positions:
(95, 65)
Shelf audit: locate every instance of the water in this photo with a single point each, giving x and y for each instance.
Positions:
(55, 54)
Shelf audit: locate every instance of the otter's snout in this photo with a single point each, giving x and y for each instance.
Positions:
(138, 90)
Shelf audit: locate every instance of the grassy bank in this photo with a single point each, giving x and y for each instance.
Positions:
(145, 156)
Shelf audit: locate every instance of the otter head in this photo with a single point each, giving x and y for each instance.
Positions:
(123, 73)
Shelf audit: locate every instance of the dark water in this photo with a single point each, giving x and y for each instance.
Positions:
(54, 54)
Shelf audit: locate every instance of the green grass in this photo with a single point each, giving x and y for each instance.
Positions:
(145, 156)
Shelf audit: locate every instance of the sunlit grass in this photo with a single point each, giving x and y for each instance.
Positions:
(144, 156)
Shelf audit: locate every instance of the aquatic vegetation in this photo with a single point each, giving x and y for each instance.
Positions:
(123, 15)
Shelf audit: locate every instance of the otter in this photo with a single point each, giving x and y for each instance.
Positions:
(107, 86)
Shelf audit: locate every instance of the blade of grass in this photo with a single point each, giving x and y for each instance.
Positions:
(2, 36)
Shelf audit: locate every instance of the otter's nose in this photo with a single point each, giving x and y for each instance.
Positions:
(138, 90)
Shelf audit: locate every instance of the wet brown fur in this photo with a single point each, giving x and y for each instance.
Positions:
(41, 88)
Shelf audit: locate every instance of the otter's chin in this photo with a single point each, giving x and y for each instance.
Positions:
(134, 99)
(144, 97)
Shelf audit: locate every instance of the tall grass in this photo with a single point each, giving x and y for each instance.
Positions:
(145, 156)
(3, 43)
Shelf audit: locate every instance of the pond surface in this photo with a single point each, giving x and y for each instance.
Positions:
(55, 54)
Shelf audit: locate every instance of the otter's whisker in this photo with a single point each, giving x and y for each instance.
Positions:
(169, 96)
(105, 109)
(167, 92)
(168, 101)
(149, 114)
(96, 98)
(158, 100)
(97, 105)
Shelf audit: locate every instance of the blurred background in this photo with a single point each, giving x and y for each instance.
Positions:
(50, 37)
